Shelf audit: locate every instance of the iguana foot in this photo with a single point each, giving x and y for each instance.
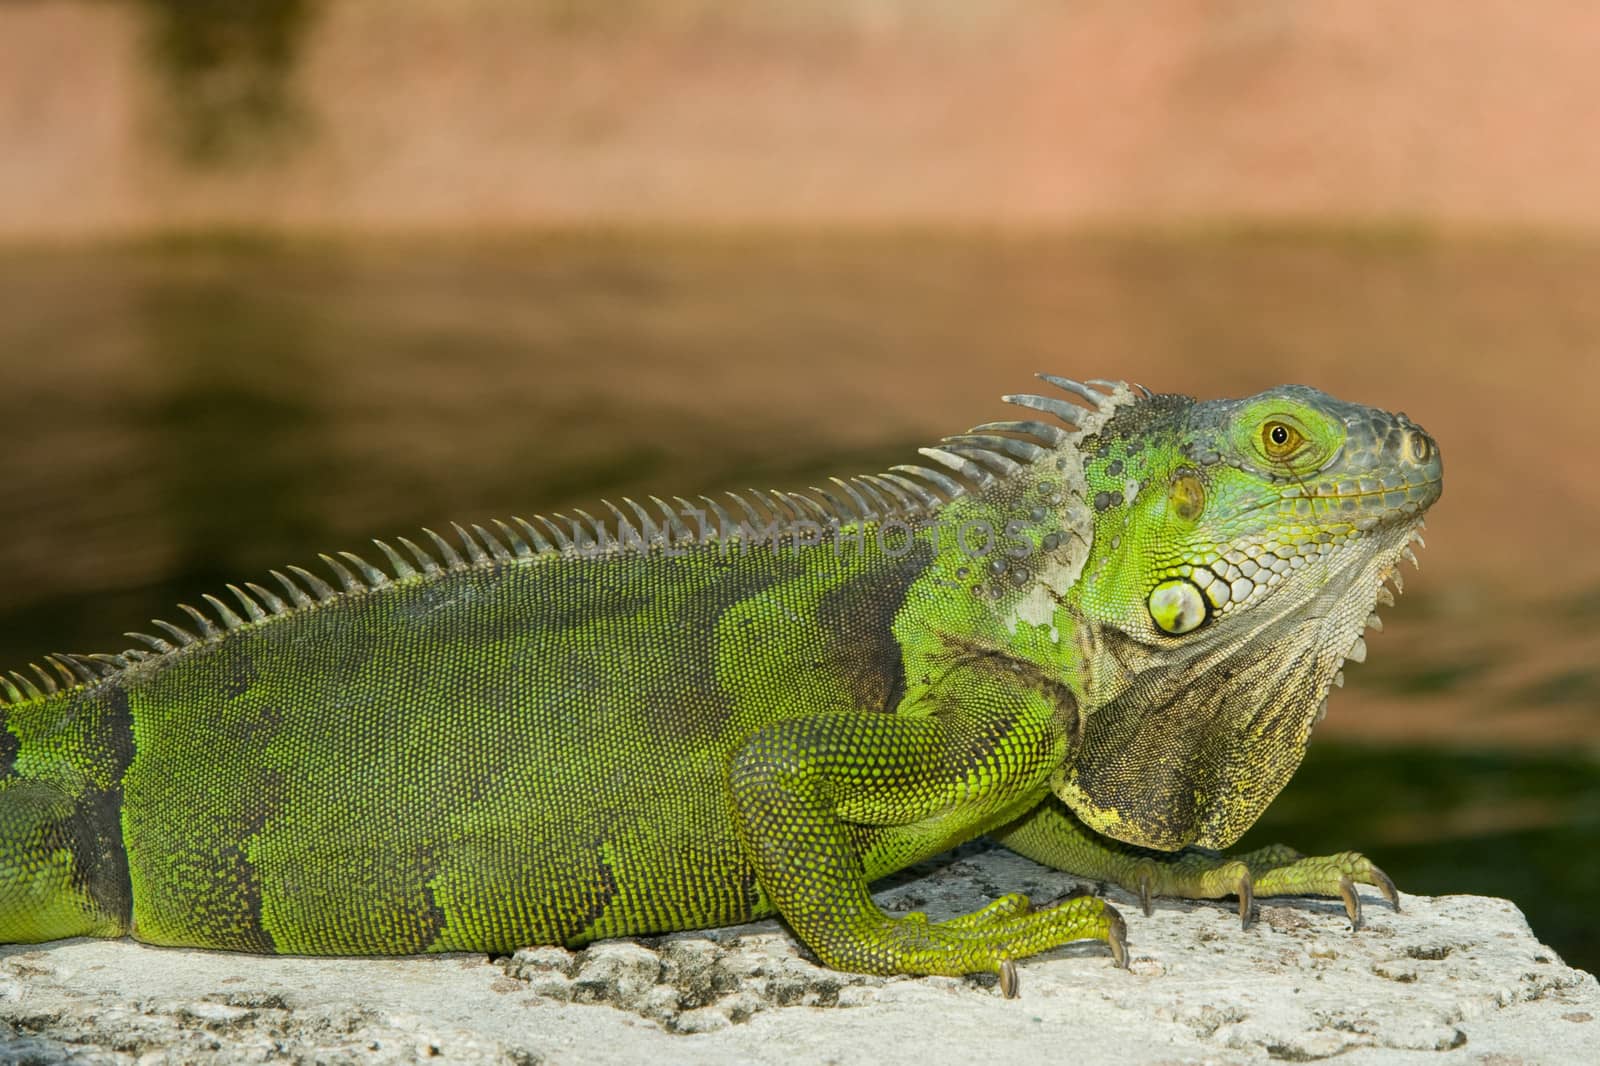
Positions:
(1282, 871)
(1274, 870)
(1052, 835)
(1192, 875)
(988, 940)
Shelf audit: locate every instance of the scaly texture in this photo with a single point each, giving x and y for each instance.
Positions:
(1104, 638)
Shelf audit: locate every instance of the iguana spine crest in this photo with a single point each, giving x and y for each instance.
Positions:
(980, 457)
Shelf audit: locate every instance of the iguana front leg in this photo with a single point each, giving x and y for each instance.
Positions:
(1051, 835)
(824, 802)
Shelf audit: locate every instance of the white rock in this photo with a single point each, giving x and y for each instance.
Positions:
(1455, 973)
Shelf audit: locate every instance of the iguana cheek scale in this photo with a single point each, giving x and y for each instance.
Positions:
(1102, 634)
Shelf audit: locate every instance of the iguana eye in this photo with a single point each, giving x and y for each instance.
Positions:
(1280, 440)
(1177, 606)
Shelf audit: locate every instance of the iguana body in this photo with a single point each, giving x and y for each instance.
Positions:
(667, 720)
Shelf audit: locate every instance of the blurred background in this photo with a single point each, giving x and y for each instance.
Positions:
(279, 276)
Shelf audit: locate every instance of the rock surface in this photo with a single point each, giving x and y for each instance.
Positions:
(1456, 974)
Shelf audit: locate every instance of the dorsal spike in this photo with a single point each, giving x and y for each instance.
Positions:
(519, 547)
(968, 469)
(1024, 451)
(46, 682)
(809, 508)
(943, 482)
(177, 633)
(29, 689)
(403, 570)
(430, 566)
(775, 503)
(252, 609)
(202, 621)
(452, 559)
(878, 503)
(628, 533)
(161, 646)
(9, 692)
(674, 524)
(725, 525)
(497, 550)
(1050, 436)
(371, 575)
(536, 538)
(342, 574)
(1076, 388)
(92, 669)
(648, 527)
(319, 588)
(900, 501)
(297, 595)
(991, 452)
(834, 508)
(589, 531)
(844, 503)
(259, 595)
(1067, 412)
(866, 511)
(475, 553)
(916, 490)
(108, 664)
(558, 535)
(74, 670)
(701, 529)
(230, 618)
(751, 516)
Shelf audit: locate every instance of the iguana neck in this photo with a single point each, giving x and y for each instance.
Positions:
(1017, 551)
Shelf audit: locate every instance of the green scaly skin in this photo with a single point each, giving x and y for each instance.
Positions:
(536, 743)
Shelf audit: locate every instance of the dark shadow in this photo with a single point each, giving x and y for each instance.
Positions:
(227, 69)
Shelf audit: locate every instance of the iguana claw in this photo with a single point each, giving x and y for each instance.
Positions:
(1352, 901)
(1117, 938)
(1384, 885)
(1247, 900)
(1009, 982)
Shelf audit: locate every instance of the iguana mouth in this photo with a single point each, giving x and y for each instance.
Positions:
(1408, 497)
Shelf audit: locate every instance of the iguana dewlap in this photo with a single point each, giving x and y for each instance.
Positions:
(1102, 636)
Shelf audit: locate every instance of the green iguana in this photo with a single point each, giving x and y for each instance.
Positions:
(1102, 638)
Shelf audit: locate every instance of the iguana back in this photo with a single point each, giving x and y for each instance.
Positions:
(486, 757)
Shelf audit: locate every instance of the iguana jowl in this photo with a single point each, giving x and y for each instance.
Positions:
(1102, 635)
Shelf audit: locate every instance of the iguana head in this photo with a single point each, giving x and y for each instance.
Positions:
(1239, 549)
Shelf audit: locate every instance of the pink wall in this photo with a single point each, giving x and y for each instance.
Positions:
(485, 113)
